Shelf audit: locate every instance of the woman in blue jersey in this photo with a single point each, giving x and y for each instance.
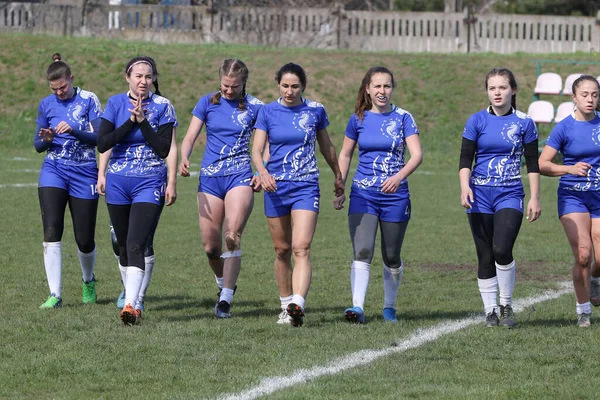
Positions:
(138, 127)
(577, 137)
(379, 195)
(170, 198)
(292, 125)
(225, 194)
(65, 124)
(497, 137)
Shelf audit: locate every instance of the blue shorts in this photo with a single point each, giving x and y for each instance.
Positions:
(79, 181)
(219, 185)
(573, 201)
(121, 190)
(490, 199)
(292, 196)
(388, 207)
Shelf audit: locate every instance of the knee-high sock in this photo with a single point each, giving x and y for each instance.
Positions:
(133, 283)
(506, 282)
(87, 261)
(488, 288)
(53, 266)
(359, 282)
(149, 263)
(392, 277)
(123, 271)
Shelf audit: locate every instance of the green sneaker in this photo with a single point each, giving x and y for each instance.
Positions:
(89, 291)
(52, 302)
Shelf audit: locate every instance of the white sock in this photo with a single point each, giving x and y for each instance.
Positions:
(285, 301)
(149, 264)
(135, 276)
(226, 295)
(391, 283)
(359, 282)
(219, 282)
(123, 274)
(506, 282)
(87, 262)
(298, 300)
(585, 308)
(53, 266)
(488, 288)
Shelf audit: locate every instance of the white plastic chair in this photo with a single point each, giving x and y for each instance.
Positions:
(563, 110)
(548, 83)
(568, 89)
(541, 111)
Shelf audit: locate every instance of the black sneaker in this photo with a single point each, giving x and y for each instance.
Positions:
(296, 313)
(223, 309)
(507, 317)
(491, 319)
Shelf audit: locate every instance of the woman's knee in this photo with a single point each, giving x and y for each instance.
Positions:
(232, 241)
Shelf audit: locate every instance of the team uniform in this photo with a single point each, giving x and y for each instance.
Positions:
(68, 175)
(496, 213)
(578, 141)
(136, 179)
(381, 139)
(292, 134)
(226, 160)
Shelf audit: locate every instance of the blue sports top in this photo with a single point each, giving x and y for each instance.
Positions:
(79, 112)
(133, 156)
(228, 131)
(381, 142)
(292, 133)
(578, 141)
(500, 145)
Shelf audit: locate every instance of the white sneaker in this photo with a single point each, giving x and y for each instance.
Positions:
(284, 318)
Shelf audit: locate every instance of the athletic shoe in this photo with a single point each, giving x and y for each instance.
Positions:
(296, 314)
(595, 292)
(138, 315)
(583, 320)
(354, 315)
(389, 315)
(129, 316)
(89, 291)
(491, 319)
(223, 309)
(121, 300)
(284, 318)
(52, 302)
(507, 317)
(139, 305)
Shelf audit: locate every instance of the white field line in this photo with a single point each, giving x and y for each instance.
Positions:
(419, 338)
(17, 185)
(27, 170)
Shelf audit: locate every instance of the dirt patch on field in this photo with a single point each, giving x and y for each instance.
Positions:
(526, 271)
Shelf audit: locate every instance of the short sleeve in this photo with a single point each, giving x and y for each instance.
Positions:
(556, 138)
(471, 130)
(352, 128)
(201, 108)
(531, 133)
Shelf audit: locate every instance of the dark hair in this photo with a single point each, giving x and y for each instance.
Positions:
(363, 100)
(291, 68)
(58, 69)
(233, 68)
(583, 78)
(145, 60)
(507, 73)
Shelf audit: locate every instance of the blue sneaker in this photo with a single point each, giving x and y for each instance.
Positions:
(121, 300)
(355, 315)
(139, 305)
(389, 315)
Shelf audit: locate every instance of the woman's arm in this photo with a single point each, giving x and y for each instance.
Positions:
(413, 143)
(108, 136)
(171, 190)
(328, 151)
(187, 145)
(102, 166)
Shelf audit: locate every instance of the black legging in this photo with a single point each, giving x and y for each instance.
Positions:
(53, 202)
(494, 236)
(142, 219)
(363, 231)
(149, 251)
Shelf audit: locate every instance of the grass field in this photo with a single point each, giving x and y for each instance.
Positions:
(182, 351)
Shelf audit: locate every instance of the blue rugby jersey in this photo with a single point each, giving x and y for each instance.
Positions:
(292, 134)
(228, 132)
(381, 140)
